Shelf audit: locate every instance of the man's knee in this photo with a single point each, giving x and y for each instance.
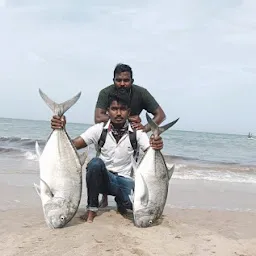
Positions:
(96, 164)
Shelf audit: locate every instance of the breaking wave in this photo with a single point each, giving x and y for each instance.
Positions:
(19, 147)
(17, 141)
(186, 168)
(192, 159)
(220, 173)
(30, 156)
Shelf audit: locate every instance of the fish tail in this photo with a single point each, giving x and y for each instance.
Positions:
(158, 130)
(61, 108)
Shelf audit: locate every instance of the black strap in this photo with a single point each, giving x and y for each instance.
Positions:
(133, 140)
(132, 137)
(101, 141)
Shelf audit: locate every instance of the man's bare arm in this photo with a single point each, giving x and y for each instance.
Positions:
(79, 143)
(159, 117)
(100, 115)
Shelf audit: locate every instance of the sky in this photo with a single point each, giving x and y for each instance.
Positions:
(197, 58)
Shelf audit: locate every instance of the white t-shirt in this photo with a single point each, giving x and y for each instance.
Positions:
(116, 156)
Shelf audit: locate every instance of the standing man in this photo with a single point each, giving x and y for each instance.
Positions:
(140, 99)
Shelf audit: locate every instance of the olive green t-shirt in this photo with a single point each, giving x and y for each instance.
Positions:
(140, 99)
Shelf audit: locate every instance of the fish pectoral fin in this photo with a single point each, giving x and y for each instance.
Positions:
(170, 171)
(131, 197)
(144, 193)
(134, 165)
(46, 189)
(83, 157)
(38, 190)
(38, 149)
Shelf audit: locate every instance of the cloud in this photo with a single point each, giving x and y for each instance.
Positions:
(196, 57)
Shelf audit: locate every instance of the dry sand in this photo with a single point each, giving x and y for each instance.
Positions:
(180, 232)
(23, 230)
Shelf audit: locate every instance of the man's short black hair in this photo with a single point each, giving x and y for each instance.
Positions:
(122, 68)
(120, 96)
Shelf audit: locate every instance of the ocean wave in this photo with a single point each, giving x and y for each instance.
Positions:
(237, 175)
(30, 156)
(175, 158)
(219, 173)
(9, 150)
(220, 168)
(224, 178)
(20, 153)
(29, 144)
(19, 141)
(186, 168)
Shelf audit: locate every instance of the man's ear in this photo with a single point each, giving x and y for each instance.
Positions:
(132, 80)
(129, 111)
(107, 111)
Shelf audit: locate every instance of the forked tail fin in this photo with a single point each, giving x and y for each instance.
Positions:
(61, 108)
(158, 130)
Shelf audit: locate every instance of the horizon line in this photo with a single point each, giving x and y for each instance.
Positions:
(41, 120)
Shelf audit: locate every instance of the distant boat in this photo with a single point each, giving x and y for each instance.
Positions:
(250, 136)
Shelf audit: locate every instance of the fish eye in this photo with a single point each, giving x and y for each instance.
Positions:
(62, 217)
(150, 222)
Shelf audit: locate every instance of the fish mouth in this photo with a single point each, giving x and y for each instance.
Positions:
(142, 225)
(49, 224)
(144, 220)
(61, 225)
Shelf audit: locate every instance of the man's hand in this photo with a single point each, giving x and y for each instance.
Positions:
(136, 122)
(137, 126)
(134, 119)
(156, 143)
(58, 122)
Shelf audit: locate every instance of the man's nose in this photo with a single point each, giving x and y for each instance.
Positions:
(122, 83)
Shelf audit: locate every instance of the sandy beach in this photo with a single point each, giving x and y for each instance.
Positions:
(180, 232)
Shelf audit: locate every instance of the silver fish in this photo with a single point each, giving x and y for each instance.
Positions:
(151, 182)
(60, 171)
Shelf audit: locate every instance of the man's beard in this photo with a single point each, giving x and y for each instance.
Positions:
(123, 89)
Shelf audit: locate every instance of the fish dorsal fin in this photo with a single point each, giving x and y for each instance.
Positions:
(45, 189)
(158, 130)
(59, 109)
(170, 171)
(38, 149)
(144, 190)
(83, 157)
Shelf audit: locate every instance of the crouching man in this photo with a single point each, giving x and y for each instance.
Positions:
(111, 172)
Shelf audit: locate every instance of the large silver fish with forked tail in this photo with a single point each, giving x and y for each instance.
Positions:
(60, 171)
(151, 182)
